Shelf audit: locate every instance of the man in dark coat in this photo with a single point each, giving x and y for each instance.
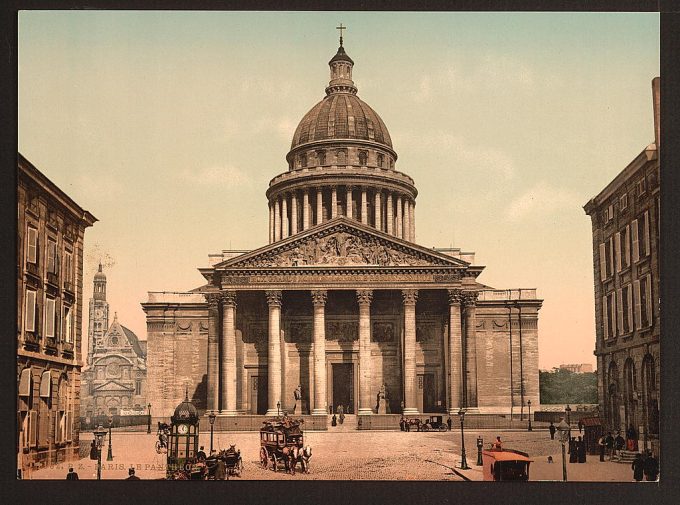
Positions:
(448, 423)
(620, 443)
(573, 455)
(71, 475)
(220, 470)
(609, 444)
(651, 468)
(581, 450)
(601, 443)
(581, 425)
(631, 438)
(552, 430)
(638, 467)
(131, 475)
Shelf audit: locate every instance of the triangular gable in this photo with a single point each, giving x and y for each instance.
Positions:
(345, 243)
(113, 386)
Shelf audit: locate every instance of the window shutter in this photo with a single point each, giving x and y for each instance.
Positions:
(29, 321)
(49, 317)
(604, 318)
(629, 294)
(636, 245)
(57, 431)
(648, 281)
(626, 246)
(646, 237)
(25, 382)
(33, 428)
(612, 308)
(32, 254)
(611, 255)
(611, 212)
(619, 311)
(617, 251)
(638, 309)
(603, 263)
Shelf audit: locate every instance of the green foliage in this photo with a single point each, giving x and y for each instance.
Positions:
(563, 386)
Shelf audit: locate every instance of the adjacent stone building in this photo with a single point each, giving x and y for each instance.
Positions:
(625, 222)
(114, 382)
(343, 301)
(51, 230)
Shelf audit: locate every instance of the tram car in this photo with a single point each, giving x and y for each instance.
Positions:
(505, 464)
(282, 446)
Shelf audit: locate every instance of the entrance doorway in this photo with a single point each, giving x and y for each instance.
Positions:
(258, 394)
(426, 393)
(343, 386)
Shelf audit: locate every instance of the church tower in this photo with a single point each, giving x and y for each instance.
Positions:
(99, 314)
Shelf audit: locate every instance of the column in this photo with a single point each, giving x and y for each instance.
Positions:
(229, 353)
(319, 302)
(277, 220)
(334, 202)
(284, 216)
(399, 231)
(319, 205)
(455, 351)
(213, 372)
(305, 209)
(410, 387)
(364, 206)
(406, 234)
(378, 211)
(390, 214)
(366, 398)
(274, 352)
(293, 214)
(348, 210)
(271, 222)
(470, 300)
(413, 220)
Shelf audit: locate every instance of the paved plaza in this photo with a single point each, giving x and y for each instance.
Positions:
(355, 455)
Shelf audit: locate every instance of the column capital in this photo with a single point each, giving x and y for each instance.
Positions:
(364, 296)
(349, 187)
(319, 297)
(213, 299)
(470, 298)
(455, 296)
(273, 298)
(410, 296)
(228, 298)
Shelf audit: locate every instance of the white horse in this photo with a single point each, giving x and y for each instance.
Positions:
(306, 456)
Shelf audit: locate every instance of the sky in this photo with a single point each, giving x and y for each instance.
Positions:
(168, 127)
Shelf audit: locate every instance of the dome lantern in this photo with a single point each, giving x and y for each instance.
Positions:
(341, 71)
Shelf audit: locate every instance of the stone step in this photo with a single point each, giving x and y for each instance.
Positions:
(349, 424)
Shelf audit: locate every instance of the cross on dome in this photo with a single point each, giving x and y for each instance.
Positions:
(341, 28)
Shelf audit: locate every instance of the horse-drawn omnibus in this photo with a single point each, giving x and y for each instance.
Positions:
(282, 443)
(505, 464)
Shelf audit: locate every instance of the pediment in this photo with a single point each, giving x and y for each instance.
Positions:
(112, 386)
(341, 243)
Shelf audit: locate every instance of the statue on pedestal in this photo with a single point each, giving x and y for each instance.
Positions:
(382, 400)
(297, 395)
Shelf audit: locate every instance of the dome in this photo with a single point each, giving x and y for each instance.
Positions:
(100, 275)
(185, 411)
(341, 116)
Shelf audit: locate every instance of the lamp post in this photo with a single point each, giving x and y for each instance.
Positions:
(480, 444)
(148, 419)
(99, 435)
(211, 418)
(563, 429)
(109, 456)
(529, 404)
(567, 411)
(463, 459)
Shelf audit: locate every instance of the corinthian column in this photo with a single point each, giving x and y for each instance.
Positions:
(364, 297)
(378, 211)
(319, 205)
(293, 214)
(284, 216)
(277, 220)
(305, 209)
(390, 214)
(407, 219)
(400, 214)
(271, 222)
(229, 353)
(334, 202)
(319, 302)
(455, 351)
(274, 352)
(410, 387)
(348, 202)
(364, 206)
(413, 220)
(470, 300)
(213, 372)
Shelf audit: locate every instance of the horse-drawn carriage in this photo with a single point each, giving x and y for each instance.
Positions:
(282, 442)
(433, 423)
(208, 468)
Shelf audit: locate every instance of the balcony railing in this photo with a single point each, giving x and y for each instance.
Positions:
(50, 344)
(68, 286)
(53, 279)
(67, 348)
(31, 339)
(32, 268)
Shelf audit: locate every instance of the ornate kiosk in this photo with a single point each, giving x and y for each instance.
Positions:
(183, 439)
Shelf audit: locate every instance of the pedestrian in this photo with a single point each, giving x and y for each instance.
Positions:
(220, 470)
(552, 430)
(401, 424)
(341, 414)
(334, 420)
(200, 455)
(638, 467)
(631, 438)
(448, 423)
(71, 475)
(620, 443)
(581, 425)
(408, 425)
(651, 467)
(609, 444)
(573, 454)
(131, 475)
(601, 443)
(581, 450)
(498, 444)
(93, 450)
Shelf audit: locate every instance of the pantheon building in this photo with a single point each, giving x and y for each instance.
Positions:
(342, 302)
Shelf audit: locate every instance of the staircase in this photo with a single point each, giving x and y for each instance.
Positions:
(350, 424)
(626, 457)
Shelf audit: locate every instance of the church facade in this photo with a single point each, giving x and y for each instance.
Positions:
(343, 303)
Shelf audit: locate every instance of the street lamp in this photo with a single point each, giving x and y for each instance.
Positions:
(567, 411)
(99, 435)
(529, 404)
(463, 460)
(109, 456)
(148, 420)
(211, 418)
(480, 444)
(563, 429)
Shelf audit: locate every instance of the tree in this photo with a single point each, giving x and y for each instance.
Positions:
(562, 386)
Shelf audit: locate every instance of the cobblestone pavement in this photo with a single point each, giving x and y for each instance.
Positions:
(358, 455)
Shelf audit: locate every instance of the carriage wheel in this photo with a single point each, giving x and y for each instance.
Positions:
(264, 458)
(443, 427)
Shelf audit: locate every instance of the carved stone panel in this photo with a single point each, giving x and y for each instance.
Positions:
(426, 332)
(298, 331)
(383, 332)
(342, 331)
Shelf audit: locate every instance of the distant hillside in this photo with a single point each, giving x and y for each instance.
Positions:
(563, 386)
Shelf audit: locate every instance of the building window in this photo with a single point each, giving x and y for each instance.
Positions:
(51, 256)
(640, 236)
(641, 187)
(643, 302)
(32, 245)
(624, 303)
(623, 202)
(50, 306)
(321, 156)
(68, 324)
(29, 313)
(138, 387)
(609, 315)
(363, 158)
(342, 157)
(303, 161)
(381, 160)
(607, 259)
(68, 266)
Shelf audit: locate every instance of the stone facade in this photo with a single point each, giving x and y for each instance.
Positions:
(343, 301)
(625, 224)
(51, 229)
